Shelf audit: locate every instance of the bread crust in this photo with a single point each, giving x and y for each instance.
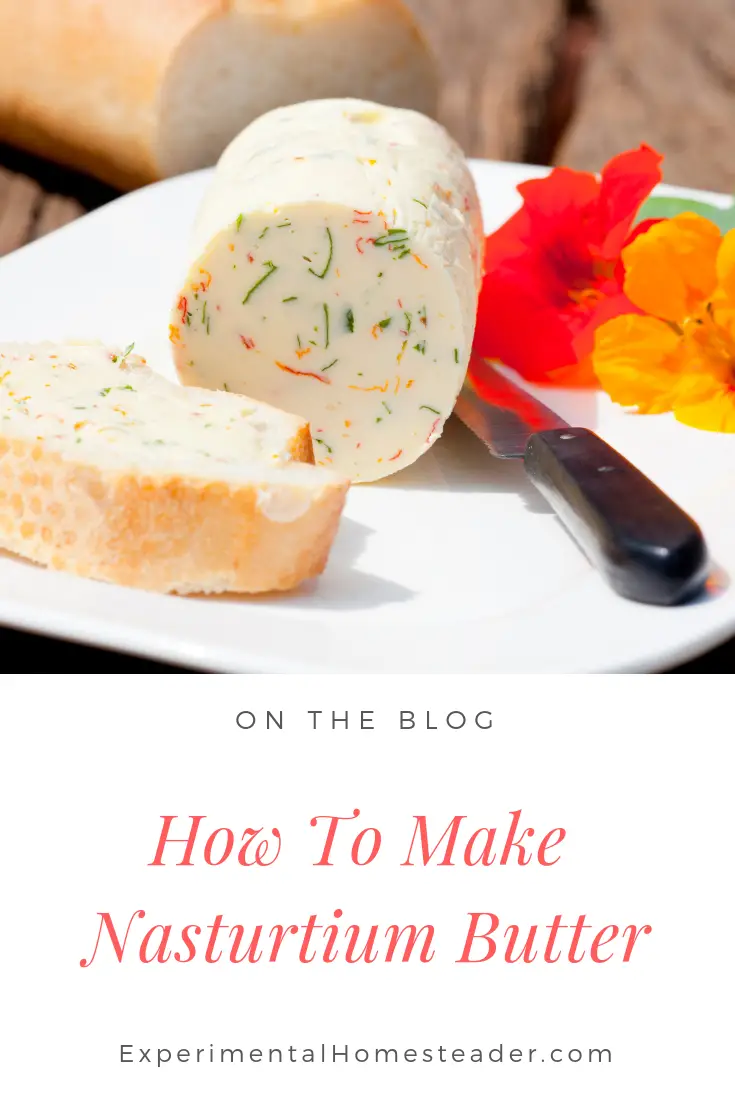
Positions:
(167, 534)
(81, 80)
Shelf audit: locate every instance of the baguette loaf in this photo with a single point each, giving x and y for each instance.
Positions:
(109, 471)
(137, 90)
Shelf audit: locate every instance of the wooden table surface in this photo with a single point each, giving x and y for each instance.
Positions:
(537, 81)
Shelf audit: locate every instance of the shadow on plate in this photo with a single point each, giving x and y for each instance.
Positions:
(341, 588)
(460, 463)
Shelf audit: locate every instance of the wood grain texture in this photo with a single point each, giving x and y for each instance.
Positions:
(496, 62)
(56, 211)
(495, 66)
(28, 212)
(662, 72)
(20, 199)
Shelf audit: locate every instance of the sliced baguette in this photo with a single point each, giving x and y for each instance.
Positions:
(109, 471)
(136, 90)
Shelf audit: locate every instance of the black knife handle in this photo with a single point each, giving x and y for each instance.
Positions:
(646, 547)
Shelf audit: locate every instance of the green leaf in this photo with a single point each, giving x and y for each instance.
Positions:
(658, 206)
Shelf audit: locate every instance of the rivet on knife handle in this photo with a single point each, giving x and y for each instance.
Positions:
(646, 546)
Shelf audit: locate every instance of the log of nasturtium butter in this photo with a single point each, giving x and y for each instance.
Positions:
(334, 273)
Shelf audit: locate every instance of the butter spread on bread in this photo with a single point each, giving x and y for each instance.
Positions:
(334, 272)
(109, 471)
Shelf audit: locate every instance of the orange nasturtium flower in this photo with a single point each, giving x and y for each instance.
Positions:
(679, 355)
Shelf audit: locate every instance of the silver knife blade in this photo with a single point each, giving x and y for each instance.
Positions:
(502, 414)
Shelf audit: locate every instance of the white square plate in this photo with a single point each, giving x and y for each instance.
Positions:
(454, 565)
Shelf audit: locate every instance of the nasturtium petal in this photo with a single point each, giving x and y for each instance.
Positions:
(671, 270)
(697, 382)
(564, 193)
(636, 360)
(726, 267)
(610, 305)
(709, 355)
(579, 375)
(625, 183)
(714, 414)
(722, 313)
(517, 325)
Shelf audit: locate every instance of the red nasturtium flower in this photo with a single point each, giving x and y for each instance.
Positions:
(554, 271)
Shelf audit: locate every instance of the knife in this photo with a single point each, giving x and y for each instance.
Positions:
(644, 545)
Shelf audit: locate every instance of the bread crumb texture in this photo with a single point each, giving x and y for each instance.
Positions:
(82, 491)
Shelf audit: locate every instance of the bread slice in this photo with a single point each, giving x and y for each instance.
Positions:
(136, 90)
(109, 471)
